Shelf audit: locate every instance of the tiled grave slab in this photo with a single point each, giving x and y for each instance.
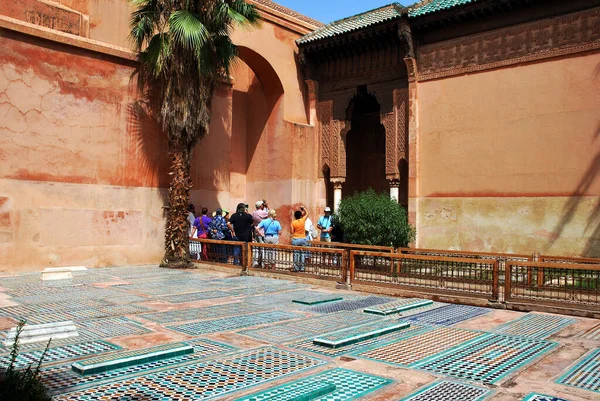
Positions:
(350, 305)
(110, 327)
(533, 325)
(585, 373)
(591, 334)
(357, 334)
(421, 309)
(40, 333)
(448, 315)
(61, 379)
(308, 328)
(541, 397)
(352, 348)
(284, 300)
(126, 299)
(194, 296)
(88, 313)
(226, 324)
(204, 379)
(316, 299)
(71, 296)
(61, 353)
(449, 390)
(413, 349)
(400, 305)
(487, 359)
(213, 311)
(349, 385)
(24, 311)
(130, 358)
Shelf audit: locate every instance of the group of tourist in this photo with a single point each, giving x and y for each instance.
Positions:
(260, 226)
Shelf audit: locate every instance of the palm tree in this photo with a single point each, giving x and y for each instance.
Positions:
(185, 52)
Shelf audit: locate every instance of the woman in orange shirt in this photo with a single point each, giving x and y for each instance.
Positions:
(299, 237)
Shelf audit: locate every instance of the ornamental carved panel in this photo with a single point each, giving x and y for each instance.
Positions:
(396, 128)
(401, 112)
(572, 33)
(325, 124)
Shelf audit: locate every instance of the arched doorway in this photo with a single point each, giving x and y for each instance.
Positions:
(365, 146)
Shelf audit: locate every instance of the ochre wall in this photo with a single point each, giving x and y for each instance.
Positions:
(509, 159)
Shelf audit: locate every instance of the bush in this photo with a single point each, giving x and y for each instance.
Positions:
(22, 384)
(369, 218)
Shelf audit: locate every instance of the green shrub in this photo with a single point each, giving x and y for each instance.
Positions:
(369, 218)
(22, 384)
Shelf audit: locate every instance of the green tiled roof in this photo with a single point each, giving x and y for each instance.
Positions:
(431, 6)
(354, 23)
(379, 15)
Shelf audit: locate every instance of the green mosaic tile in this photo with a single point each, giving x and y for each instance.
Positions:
(541, 397)
(207, 312)
(317, 299)
(349, 385)
(130, 358)
(357, 334)
(533, 325)
(585, 374)
(398, 306)
(227, 324)
(449, 390)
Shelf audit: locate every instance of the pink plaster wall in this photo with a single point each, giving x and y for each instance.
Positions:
(530, 135)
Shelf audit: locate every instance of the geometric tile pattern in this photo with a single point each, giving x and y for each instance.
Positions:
(61, 353)
(541, 397)
(88, 313)
(285, 299)
(585, 374)
(448, 390)
(193, 296)
(349, 385)
(203, 379)
(360, 333)
(362, 303)
(591, 334)
(24, 311)
(448, 315)
(534, 325)
(487, 359)
(183, 315)
(227, 324)
(398, 306)
(420, 309)
(317, 298)
(61, 379)
(416, 348)
(309, 327)
(308, 345)
(110, 327)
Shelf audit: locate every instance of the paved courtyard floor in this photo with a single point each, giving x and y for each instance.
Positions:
(146, 333)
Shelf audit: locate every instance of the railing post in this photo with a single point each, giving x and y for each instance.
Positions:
(246, 260)
(496, 281)
(507, 281)
(344, 268)
(351, 257)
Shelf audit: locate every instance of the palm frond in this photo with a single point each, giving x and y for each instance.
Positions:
(187, 29)
(247, 14)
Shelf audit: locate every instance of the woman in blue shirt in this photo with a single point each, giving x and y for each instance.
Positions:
(272, 230)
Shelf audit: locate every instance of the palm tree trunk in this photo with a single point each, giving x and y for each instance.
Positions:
(176, 231)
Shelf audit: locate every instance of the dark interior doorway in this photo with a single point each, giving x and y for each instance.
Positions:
(365, 146)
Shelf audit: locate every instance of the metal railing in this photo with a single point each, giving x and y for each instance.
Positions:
(318, 262)
(231, 253)
(473, 277)
(553, 284)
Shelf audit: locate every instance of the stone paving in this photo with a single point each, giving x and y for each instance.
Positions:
(252, 342)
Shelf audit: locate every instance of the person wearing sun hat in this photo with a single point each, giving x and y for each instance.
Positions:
(272, 229)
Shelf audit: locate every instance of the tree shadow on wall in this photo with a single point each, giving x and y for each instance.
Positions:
(592, 248)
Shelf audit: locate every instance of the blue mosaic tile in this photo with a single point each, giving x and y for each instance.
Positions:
(533, 325)
(227, 324)
(487, 359)
(60, 353)
(398, 306)
(110, 327)
(316, 298)
(591, 334)
(207, 312)
(85, 314)
(448, 315)
(73, 296)
(351, 305)
(309, 327)
(349, 385)
(194, 296)
(204, 379)
(420, 309)
(541, 397)
(284, 300)
(24, 311)
(449, 390)
(61, 379)
(355, 348)
(585, 374)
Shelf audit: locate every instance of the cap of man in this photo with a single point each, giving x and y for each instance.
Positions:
(327, 209)
(259, 204)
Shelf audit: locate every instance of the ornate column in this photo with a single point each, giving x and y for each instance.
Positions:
(337, 192)
(394, 188)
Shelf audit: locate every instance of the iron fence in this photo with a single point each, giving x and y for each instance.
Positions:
(231, 253)
(475, 277)
(553, 284)
(311, 261)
